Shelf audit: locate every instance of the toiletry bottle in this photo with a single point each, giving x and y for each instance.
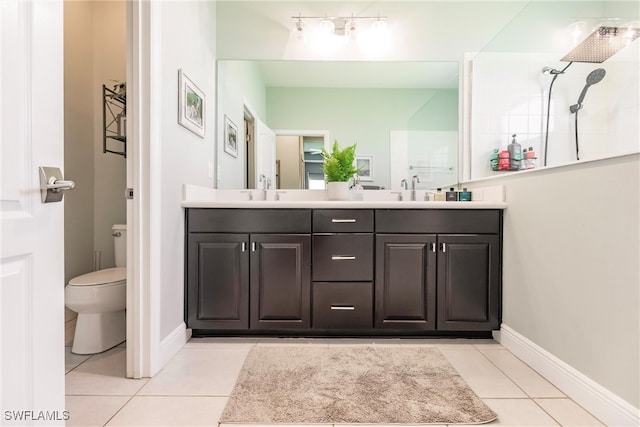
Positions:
(503, 160)
(464, 195)
(452, 195)
(515, 154)
(530, 159)
(439, 196)
(494, 159)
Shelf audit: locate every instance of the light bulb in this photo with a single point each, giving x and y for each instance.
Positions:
(351, 29)
(376, 41)
(299, 31)
(327, 28)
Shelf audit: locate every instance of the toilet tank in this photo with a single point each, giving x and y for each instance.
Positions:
(119, 233)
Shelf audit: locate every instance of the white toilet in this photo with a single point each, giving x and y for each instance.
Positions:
(100, 299)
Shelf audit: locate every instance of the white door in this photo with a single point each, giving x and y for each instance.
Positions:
(32, 254)
(265, 153)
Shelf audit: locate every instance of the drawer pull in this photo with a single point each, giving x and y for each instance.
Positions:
(342, 220)
(342, 307)
(342, 257)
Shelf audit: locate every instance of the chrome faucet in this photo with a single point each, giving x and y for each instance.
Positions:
(403, 184)
(265, 184)
(414, 179)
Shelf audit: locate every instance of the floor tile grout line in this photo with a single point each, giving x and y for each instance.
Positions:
(79, 364)
(507, 375)
(531, 398)
(118, 411)
(546, 412)
(572, 401)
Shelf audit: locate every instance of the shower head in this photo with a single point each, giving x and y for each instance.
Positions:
(594, 77)
(603, 43)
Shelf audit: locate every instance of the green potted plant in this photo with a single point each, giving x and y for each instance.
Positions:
(338, 167)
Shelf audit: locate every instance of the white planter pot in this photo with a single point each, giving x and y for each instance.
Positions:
(338, 190)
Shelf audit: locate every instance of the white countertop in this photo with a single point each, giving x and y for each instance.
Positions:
(328, 204)
(201, 197)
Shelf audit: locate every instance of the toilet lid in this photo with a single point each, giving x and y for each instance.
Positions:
(101, 277)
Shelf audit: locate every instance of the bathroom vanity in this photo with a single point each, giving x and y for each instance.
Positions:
(319, 268)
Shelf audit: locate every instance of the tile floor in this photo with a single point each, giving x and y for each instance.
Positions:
(194, 386)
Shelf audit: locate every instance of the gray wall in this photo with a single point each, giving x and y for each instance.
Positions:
(179, 156)
(109, 63)
(78, 137)
(571, 272)
(95, 54)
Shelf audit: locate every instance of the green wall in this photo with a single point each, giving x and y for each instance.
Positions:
(363, 116)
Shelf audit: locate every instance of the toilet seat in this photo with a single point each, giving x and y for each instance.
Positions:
(108, 276)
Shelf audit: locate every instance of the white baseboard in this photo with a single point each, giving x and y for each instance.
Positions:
(599, 401)
(172, 344)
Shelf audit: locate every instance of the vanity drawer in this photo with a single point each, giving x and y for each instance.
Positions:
(343, 221)
(342, 257)
(439, 221)
(342, 305)
(209, 220)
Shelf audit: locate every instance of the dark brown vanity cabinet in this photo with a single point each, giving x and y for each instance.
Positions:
(217, 294)
(342, 269)
(405, 281)
(258, 280)
(442, 279)
(469, 290)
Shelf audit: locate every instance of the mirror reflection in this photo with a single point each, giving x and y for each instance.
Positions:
(403, 116)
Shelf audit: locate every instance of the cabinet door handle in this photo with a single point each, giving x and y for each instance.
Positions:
(253, 246)
(244, 246)
(444, 247)
(342, 220)
(342, 307)
(342, 257)
(433, 247)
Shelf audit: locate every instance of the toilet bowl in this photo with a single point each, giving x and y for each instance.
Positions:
(100, 298)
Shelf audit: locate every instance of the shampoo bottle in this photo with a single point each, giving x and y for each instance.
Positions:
(452, 195)
(503, 160)
(530, 159)
(464, 195)
(515, 154)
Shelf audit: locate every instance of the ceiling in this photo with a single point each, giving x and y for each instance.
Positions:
(435, 33)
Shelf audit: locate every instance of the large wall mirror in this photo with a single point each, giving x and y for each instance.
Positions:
(403, 116)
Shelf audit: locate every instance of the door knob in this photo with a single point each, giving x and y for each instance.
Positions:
(52, 184)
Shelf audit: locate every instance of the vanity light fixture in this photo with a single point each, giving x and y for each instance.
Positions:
(329, 32)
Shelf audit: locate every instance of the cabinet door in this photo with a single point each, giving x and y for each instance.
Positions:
(405, 291)
(218, 281)
(280, 281)
(469, 282)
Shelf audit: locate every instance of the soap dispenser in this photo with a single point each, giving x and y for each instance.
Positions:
(515, 154)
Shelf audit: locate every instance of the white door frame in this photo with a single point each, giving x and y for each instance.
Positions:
(143, 293)
(322, 133)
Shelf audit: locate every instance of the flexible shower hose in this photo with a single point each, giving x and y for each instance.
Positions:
(546, 138)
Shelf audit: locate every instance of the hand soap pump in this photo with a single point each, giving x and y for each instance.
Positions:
(515, 154)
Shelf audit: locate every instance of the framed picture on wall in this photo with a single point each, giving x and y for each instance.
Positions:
(230, 137)
(191, 105)
(365, 166)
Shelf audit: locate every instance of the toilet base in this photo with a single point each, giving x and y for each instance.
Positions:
(97, 332)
